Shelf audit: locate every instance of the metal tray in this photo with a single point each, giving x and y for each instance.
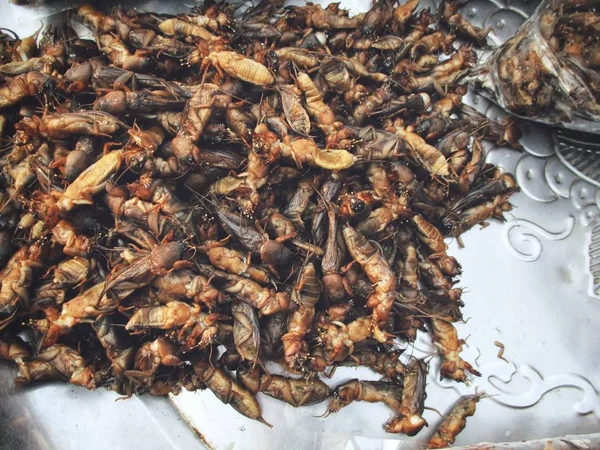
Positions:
(532, 283)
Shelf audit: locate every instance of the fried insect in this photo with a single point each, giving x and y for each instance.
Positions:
(387, 364)
(494, 208)
(196, 329)
(367, 391)
(268, 301)
(90, 304)
(72, 271)
(185, 285)
(410, 420)
(18, 88)
(196, 114)
(228, 390)
(379, 273)
(450, 17)
(306, 294)
(148, 359)
(241, 67)
(317, 109)
(294, 391)
(112, 338)
(15, 282)
(14, 349)
(273, 253)
(95, 19)
(339, 339)
(233, 261)
(295, 113)
(446, 339)
(454, 422)
(333, 283)
(306, 151)
(58, 362)
(246, 331)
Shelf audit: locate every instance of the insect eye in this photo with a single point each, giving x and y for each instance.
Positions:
(357, 206)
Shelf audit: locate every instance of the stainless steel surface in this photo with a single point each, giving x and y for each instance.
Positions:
(529, 286)
(580, 152)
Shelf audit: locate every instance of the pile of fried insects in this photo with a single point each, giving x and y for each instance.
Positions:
(278, 185)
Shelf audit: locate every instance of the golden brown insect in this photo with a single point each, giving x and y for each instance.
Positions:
(387, 364)
(174, 26)
(379, 273)
(233, 261)
(301, 57)
(120, 56)
(265, 150)
(142, 270)
(433, 276)
(330, 18)
(428, 156)
(90, 304)
(18, 88)
(429, 235)
(56, 363)
(73, 244)
(51, 59)
(266, 300)
(246, 332)
(333, 283)
(446, 339)
(494, 208)
(317, 109)
(228, 390)
(227, 185)
(366, 391)
(473, 168)
(241, 67)
(15, 281)
(410, 420)
(338, 339)
(95, 19)
(295, 391)
(149, 357)
(454, 422)
(431, 43)
(306, 151)
(63, 126)
(295, 113)
(184, 285)
(402, 14)
(450, 16)
(196, 115)
(72, 271)
(306, 294)
(14, 349)
(196, 329)
(112, 338)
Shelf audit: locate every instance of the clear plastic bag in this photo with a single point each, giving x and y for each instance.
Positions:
(549, 70)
